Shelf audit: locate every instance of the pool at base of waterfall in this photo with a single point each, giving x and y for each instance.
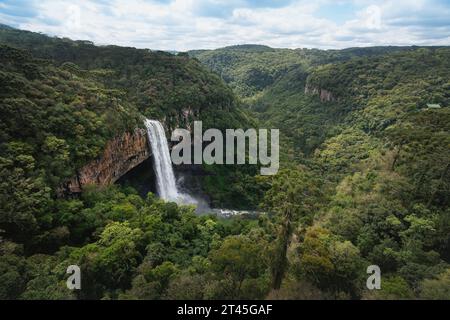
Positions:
(228, 213)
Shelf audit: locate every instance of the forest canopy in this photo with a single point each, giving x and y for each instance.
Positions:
(364, 177)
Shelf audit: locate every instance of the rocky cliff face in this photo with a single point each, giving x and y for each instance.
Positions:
(184, 119)
(120, 156)
(324, 95)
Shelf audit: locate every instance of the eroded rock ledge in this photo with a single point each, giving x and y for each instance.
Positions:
(324, 95)
(119, 156)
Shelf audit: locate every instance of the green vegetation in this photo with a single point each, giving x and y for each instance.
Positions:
(159, 84)
(359, 120)
(249, 69)
(364, 177)
(138, 248)
(57, 115)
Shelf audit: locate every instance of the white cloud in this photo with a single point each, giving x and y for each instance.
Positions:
(191, 24)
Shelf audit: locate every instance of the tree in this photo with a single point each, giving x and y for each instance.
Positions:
(392, 288)
(436, 289)
(238, 258)
(293, 197)
(13, 270)
(109, 263)
(186, 287)
(24, 195)
(329, 263)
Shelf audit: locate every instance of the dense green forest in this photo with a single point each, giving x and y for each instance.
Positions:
(364, 176)
(378, 143)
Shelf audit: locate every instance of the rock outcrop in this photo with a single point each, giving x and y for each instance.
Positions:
(324, 95)
(119, 156)
(183, 119)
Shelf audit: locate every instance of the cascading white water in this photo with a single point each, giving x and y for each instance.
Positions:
(165, 178)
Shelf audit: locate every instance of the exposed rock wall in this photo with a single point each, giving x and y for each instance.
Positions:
(119, 156)
(324, 95)
(184, 119)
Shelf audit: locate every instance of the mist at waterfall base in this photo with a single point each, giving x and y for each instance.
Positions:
(166, 184)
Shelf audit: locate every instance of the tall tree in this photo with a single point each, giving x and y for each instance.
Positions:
(293, 199)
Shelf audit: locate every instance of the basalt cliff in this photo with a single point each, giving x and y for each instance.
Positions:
(120, 155)
(324, 94)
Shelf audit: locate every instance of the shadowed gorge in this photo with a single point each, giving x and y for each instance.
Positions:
(142, 178)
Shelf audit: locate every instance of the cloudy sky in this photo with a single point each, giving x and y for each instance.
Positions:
(193, 24)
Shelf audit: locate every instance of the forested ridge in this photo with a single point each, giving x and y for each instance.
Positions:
(364, 176)
(371, 125)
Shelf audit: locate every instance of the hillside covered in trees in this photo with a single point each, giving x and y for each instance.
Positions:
(372, 126)
(364, 177)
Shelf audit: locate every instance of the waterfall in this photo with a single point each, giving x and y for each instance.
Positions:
(165, 178)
